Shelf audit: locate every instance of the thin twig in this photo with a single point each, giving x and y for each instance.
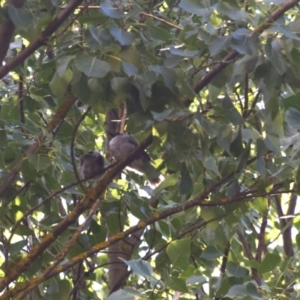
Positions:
(72, 148)
(41, 39)
(60, 256)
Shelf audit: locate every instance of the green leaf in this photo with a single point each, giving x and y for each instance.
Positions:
(3, 212)
(65, 132)
(172, 61)
(130, 69)
(16, 248)
(62, 64)
(211, 253)
(28, 171)
(158, 33)
(185, 53)
(110, 11)
(177, 284)
(298, 240)
(233, 12)
(237, 270)
(210, 163)
(196, 280)
(236, 147)
(34, 268)
(244, 42)
(275, 57)
(292, 101)
(99, 233)
(261, 148)
(21, 17)
(253, 291)
(168, 75)
(261, 205)
(186, 184)
(140, 267)
(269, 263)
(64, 288)
(10, 111)
(241, 67)
(31, 104)
(298, 181)
(170, 180)
(59, 85)
(121, 294)
(237, 291)
(137, 207)
(3, 137)
(233, 115)
(285, 30)
(153, 237)
(40, 162)
(179, 253)
(242, 163)
(124, 37)
(92, 36)
(292, 117)
(195, 7)
(274, 2)
(218, 44)
(91, 66)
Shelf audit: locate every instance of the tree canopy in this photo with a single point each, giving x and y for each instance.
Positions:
(210, 89)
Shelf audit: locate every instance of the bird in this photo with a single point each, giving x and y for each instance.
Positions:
(91, 165)
(122, 145)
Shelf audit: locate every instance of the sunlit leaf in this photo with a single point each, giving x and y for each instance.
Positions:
(269, 263)
(179, 253)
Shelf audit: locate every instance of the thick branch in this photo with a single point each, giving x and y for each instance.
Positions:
(60, 115)
(85, 204)
(6, 33)
(287, 234)
(64, 251)
(88, 200)
(7, 30)
(249, 255)
(234, 54)
(41, 39)
(32, 282)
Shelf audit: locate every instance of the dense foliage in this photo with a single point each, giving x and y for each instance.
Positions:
(211, 88)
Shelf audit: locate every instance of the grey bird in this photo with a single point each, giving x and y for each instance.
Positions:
(91, 165)
(122, 145)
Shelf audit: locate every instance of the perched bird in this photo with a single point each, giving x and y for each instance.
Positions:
(91, 165)
(122, 145)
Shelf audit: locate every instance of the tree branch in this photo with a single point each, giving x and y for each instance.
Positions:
(248, 253)
(234, 54)
(60, 115)
(85, 204)
(88, 201)
(41, 39)
(62, 254)
(73, 262)
(7, 30)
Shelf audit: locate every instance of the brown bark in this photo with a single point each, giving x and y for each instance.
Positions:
(41, 39)
(7, 30)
